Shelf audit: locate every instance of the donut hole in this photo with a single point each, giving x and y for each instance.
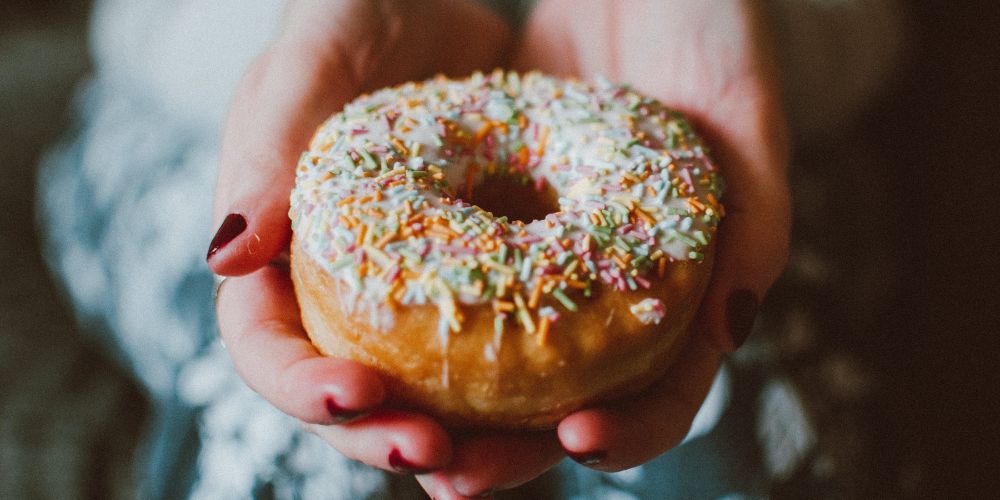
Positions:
(517, 200)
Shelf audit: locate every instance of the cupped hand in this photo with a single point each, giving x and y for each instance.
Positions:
(328, 52)
(709, 62)
(712, 61)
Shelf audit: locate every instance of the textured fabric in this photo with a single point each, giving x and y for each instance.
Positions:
(125, 206)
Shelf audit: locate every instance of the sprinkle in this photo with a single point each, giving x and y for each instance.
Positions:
(400, 146)
(536, 294)
(571, 267)
(699, 236)
(618, 260)
(362, 232)
(341, 263)
(525, 270)
(523, 156)
(483, 131)
(369, 161)
(543, 330)
(379, 257)
(502, 306)
(486, 261)
(522, 313)
(564, 300)
(542, 140)
(696, 205)
(649, 311)
(648, 219)
(386, 238)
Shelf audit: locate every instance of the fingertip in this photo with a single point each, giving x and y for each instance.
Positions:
(248, 251)
(332, 391)
(582, 432)
(488, 462)
(418, 444)
(587, 436)
(357, 386)
(438, 487)
(751, 254)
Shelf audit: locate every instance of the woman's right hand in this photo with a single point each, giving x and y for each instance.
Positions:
(327, 53)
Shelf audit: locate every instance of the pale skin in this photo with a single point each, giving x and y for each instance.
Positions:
(708, 59)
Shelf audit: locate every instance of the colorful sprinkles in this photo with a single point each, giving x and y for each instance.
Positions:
(382, 196)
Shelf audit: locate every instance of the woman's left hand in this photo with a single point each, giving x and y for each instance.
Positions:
(710, 60)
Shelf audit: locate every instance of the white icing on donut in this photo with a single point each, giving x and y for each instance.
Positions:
(379, 196)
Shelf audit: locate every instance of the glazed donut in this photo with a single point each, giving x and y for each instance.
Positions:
(504, 248)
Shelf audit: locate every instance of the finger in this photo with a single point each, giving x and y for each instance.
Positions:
(438, 487)
(327, 54)
(284, 97)
(619, 437)
(489, 462)
(747, 132)
(259, 322)
(398, 441)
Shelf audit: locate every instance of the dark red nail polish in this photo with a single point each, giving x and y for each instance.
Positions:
(404, 466)
(741, 311)
(589, 458)
(230, 229)
(340, 414)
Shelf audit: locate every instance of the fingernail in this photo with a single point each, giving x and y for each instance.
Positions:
(741, 310)
(340, 414)
(404, 466)
(486, 494)
(589, 458)
(230, 229)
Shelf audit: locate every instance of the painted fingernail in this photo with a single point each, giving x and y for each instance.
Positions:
(231, 227)
(404, 466)
(589, 458)
(342, 415)
(741, 310)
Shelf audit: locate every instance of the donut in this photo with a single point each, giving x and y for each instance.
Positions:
(504, 248)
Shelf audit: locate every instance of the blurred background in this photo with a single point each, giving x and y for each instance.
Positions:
(912, 184)
(69, 418)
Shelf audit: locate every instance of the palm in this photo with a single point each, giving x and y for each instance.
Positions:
(708, 60)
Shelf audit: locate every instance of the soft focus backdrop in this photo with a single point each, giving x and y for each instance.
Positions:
(927, 351)
(68, 417)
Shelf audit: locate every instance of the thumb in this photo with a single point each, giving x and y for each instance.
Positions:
(751, 147)
(751, 252)
(329, 53)
(283, 98)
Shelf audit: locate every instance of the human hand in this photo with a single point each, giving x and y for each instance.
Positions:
(328, 52)
(710, 60)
